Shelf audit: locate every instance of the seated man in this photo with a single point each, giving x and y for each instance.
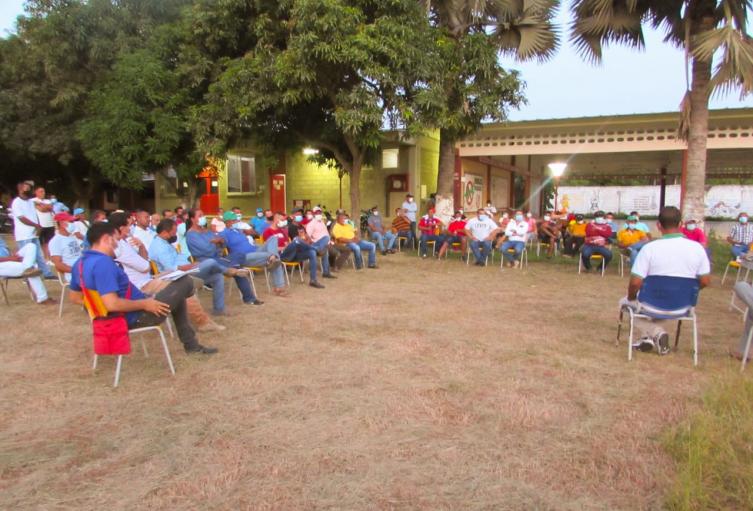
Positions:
(142, 230)
(100, 273)
(740, 236)
(401, 227)
(259, 222)
(516, 233)
(379, 233)
(65, 247)
(241, 252)
(693, 232)
(576, 235)
(612, 225)
(430, 228)
(23, 265)
(631, 239)
(298, 249)
(134, 260)
(549, 233)
(319, 235)
(671, 256)
(597, 241)
(481, 232)
(345, 234)
(456, 234)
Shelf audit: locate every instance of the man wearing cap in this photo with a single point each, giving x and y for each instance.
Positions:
(242, 252)
(411, 208)
(259, 222)
(65, 248)
(320, 240)
(23, 264)
(80, 225)
(345, 234)
(597, 239)
(481, 232)
(631, 239)
(431, 228)
(379, 233)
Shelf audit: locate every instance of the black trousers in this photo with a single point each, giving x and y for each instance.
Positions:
(175, 296)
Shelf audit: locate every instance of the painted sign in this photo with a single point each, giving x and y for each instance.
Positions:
(473, 192)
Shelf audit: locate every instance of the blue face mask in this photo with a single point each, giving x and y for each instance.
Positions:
(239, 216)
(743, 219)
(202, 221)
(483, 218)
(691, 227)
(599, 220)
(298, 218)
(518, 218)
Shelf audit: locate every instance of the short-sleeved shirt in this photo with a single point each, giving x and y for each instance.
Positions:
(259, 224)
(316, 230)
(427, 224)
(410, 210)
(68, 248)
(345, 231)
(696, 235)
(628, 237)
(280, 234)
(517, 231)
(165, 255)
(672, 256)
(375, 222)
(145, 236)
(481, 229)
(237, 245)
(457, 227)
(742, 233)
(45, 217)
(23, 207)
(577, 230)
(136, 267)
(103, 275)
(400, 223)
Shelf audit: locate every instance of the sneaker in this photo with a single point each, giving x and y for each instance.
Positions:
(211, 327)
(384, 252)
(198, 348)
(662, 343)
(515, 264)
(236, 272)
(31, 272)
(274, 264)
(373, 266)
(328, 276)
(254, 302)
(644, 344)
(315, 284)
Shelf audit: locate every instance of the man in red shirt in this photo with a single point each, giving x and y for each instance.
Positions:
(456, 231)
(430, 228)
(298, 249)
(598, 233)
(691, 231)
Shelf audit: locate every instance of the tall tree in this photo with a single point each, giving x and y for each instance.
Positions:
(702, 28)
(476, 86)
(325, 73)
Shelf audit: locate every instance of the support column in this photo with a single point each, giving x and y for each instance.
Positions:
(662, 188)
(683, 179)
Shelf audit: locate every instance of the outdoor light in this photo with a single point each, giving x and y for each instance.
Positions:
(310, 151)
(557, 169)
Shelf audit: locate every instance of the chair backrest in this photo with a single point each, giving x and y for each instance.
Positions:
(669, 293)
(153, 267)
(94, 305)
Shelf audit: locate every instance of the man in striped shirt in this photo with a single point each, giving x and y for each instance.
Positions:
(740, 236)
(401, 226)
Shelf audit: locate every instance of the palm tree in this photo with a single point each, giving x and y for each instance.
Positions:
(703, 28)
(522, 28)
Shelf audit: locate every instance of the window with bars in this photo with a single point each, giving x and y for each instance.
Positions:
(241, 174)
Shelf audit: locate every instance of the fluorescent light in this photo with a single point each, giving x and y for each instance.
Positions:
(557, 169)
(310, 151)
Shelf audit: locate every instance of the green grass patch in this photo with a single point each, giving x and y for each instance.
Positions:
(713, 450)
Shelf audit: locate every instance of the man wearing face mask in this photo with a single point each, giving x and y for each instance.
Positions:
(411, 208)
(100, 273)
(691, 231)
(379, 233)
(597, 239)
(345, 234)
(296, 249)
(401, 227)
(23, 264)
(516, 233)
(576, 235)
(26, 227)
(431, 229)
(481, 232)
(631, 239)
(65, 248)
(549, 233)
(320, 240)
(259, 222)
(740, 236)
(456, 231)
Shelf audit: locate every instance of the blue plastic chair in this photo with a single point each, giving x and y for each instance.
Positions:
(665, 298)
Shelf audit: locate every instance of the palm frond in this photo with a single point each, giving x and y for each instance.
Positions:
(735, 68)
(600, 22)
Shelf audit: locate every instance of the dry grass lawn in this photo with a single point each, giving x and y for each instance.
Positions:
(421, 385)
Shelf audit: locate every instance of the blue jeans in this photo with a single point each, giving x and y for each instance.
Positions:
(481, 250)
(300, 251)
(408, 235)
(518, 246)
(210, 271)
(363, 245)
(320, 246)
(379, 237)
(41, 263)
(261, 258)
(739, 249)
(243, 283)
(588, 250)
(438, 240)
(634, 249)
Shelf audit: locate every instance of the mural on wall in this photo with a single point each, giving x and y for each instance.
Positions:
(725, 201)
(473, 192)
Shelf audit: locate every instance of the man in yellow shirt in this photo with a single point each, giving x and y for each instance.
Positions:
(631, 239)
(345, 234)
(575, 235)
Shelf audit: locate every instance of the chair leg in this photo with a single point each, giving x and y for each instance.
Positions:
(62, 301)
(167, 352)
(630, 339)
(619, 328)
(94, 363)
(251, 280)
(677, 336)
(695, 341)
(3, 287)
(143, 345)
(169, 323)
(746, 352)
(724, 277)
(300, 271)
(117, 370)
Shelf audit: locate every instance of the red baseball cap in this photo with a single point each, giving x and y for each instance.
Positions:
(64, 217)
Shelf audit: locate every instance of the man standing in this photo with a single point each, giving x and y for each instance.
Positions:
(410, 208)
(26, 226)
(379, 233)
(481, 231)
(671, 256)
(431, 228)
(597, 239)
(43, 206)
(345, 233)
(516, 233)
(740, 236)
(22, 264)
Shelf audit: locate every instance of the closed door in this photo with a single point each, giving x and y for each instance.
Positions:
(277, 198)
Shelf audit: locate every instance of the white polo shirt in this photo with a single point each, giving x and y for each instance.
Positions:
(24, 207)
(517, 231)
(481, 228)
(672, 256)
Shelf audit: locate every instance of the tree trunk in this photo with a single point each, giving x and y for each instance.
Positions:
(355, 190)
(446, 164)
(694, 202)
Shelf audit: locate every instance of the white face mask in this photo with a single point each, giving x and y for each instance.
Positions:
(375, 213)
(318, 217)
(219, 227)
(410, 199)
(282, 223)
(547, 218)
(260, 214)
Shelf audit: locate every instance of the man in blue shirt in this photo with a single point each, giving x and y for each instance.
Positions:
(259, 223)
(242, 252)
(100, 273)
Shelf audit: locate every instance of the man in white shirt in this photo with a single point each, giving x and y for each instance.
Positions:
(26, 226)
(65, 248)
(516, 233)
(411, 208)
(672, 255)
(23, 264)
(81, 225)
(43, 206)
(481, 231)
(142, 230)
